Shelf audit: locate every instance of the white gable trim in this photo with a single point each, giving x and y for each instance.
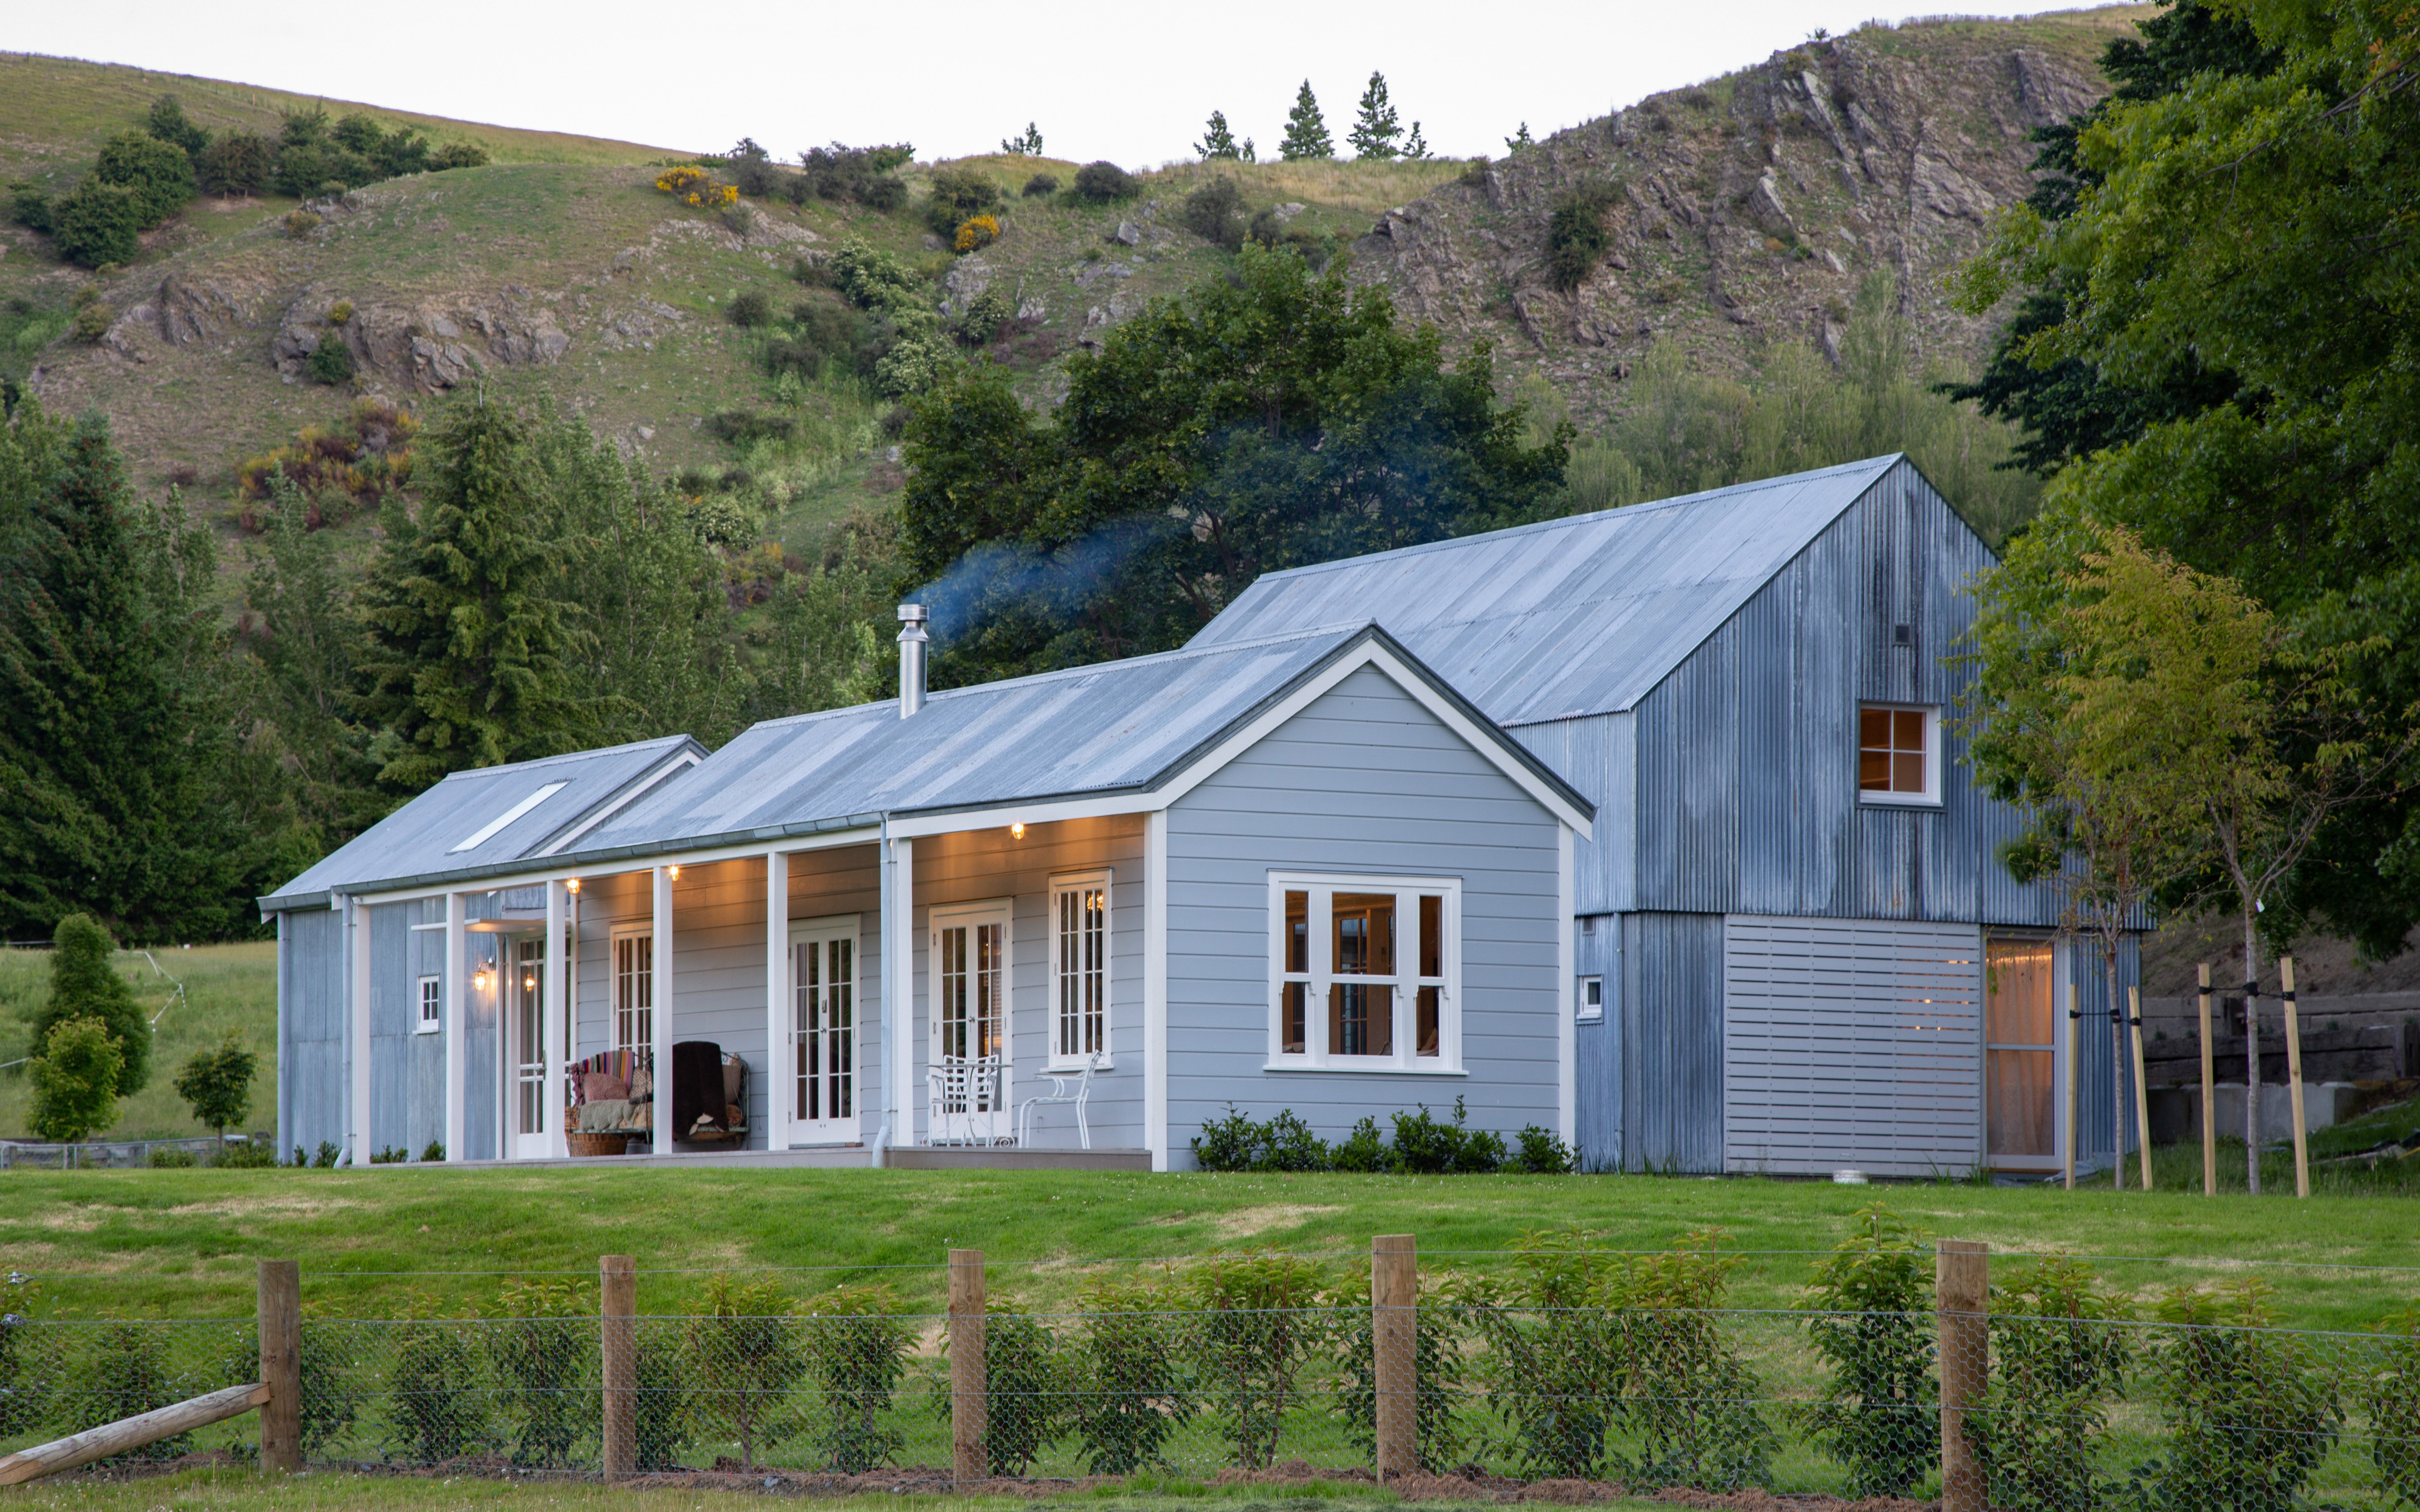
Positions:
(1372, 653)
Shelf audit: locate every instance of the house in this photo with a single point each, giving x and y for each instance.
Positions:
(1797, 949)
(1291, 871)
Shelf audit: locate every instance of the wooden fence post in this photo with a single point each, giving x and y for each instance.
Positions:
(1962, 1283)
(281, 1364)
(2209, 1090)
(970, 1408)
(2294, 1079)
(2142, 1092)
(1394, 1347)
(618, 1349)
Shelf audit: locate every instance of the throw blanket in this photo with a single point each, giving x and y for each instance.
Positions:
(615, 1115)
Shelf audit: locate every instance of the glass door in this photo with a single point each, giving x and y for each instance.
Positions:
(526, 992)
(823, 1034)
(2020, 1054)
(969, 1071)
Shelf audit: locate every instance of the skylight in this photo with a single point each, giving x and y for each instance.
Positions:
(487, 831)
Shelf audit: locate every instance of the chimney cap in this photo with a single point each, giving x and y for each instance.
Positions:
(911, 613)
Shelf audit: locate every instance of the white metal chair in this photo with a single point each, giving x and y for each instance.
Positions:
(958, 1092)
(1059, 1094)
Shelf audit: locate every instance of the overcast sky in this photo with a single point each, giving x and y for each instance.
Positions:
(1129, 83)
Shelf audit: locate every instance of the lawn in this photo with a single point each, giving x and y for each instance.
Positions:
(183, 1243)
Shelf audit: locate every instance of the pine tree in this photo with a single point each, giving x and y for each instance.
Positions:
(1375, 130)
(86, 985)
(1306, 132)
(1216, 139)
(1417, 148)
(1249, 155)
(466, 664)
(114, 734)
(1520, 140)
(1028, 145)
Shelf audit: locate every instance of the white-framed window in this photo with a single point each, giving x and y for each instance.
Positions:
(1590, 1004)
(823, 980)
(1898, 753)
(1079, 970)
(432, 1006)
(634, 987)
(1365, 973)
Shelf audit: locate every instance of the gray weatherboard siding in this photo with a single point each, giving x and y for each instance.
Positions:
(1365, 779)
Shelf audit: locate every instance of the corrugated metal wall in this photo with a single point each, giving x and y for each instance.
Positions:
(1597, 1046)
(1851, 1042)
(2086, 969)
(1671, 1048)
(310, 1029)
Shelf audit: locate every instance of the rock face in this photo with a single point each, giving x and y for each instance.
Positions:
(1744, 213)
(428, 347)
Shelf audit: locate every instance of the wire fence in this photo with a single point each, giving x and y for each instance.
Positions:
(1554, 1366)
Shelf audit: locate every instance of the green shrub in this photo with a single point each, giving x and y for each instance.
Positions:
(1554, 1359)
(1364, 1149)
(742, 426)
(325, 1157)
(1439, 1367)
(432, 1151)
(30, 205)
(158, 174)
(2057, 1359)
(246, 1155)
(167, 121)
(1129, 1379)
(388, 1155)
(744, 1341)
(1425, 1146)
(2394, 1402)
(96, 222)
(24, 1363)
(299, 223)
(91, 322)
(330, 361)
(960, 191)
(217, 1084)
(436, 1403)
(1879, 1414)
(661, 1409)
(1255, 1325)
(858, 1343)
(1577, 236)
(128, 1373)
(2250, 1414)
(458, 155)
(1041, 186)
(1025, 1389)
(1101, 183)
(1690, 1401)
(1541, 1153)
(75, 1081)
(986, 316)
(866, 175)
(1215, 213)
(172, 1160)
(331, 1401)
(749, 308)
(239, 162)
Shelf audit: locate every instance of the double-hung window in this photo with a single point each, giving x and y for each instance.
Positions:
(1079, 971)
(1365, 973)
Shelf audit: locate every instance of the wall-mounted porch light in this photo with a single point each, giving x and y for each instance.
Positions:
(479, 978)
(1017, 830)
(572, 886)
(673, 872)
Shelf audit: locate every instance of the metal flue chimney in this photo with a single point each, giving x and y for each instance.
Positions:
(912, 642)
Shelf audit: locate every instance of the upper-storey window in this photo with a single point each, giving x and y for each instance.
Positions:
(1898, 753)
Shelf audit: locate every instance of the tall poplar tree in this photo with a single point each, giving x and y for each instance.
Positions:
(469, 636)
(1305, 135)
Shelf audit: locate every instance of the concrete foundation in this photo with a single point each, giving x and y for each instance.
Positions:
(2176, 1111)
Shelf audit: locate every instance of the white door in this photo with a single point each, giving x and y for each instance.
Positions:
(525, 992)
(968, 1096)
(823, 1032)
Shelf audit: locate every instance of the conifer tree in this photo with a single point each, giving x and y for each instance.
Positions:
(1375, 130)
(1519, 141)
(86, 985)
(1305, 133)
(1216, 139)
(113, 734)
(1417, 148)
(466, 661)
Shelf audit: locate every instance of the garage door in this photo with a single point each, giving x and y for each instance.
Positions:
(1851, 1042)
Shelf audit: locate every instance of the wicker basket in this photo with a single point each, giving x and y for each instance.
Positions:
(596, 1144)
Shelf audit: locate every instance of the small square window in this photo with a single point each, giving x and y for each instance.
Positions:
(1897, 755)
(432, 1006)
(1591, 999)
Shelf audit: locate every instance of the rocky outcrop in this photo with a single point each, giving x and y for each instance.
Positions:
(1742, 213)
(430, 345)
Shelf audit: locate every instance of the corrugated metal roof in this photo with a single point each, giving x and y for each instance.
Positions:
(1569, 617)
(1121, 726)
(426, 834)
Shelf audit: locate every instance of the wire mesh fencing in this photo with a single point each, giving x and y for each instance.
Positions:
(2061, 1394)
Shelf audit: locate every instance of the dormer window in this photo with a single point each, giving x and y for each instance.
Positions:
(1898, 753)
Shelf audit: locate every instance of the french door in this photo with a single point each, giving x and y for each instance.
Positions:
(823, 1032)
(971, 1095)
(525, 993)
(2021, 1053)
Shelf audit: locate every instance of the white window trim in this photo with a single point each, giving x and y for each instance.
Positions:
(1583, 1010)
(1404, 1062)
(420, 1021)
(614, 985)
(829, 1130)
(1931, 797)
(1062, 883)
(990, 910)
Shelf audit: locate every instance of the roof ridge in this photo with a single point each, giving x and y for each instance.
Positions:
(586, 754)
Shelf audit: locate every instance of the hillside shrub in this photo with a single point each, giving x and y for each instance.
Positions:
(742, 426)
(168, 122)
(30, 206)
(159, 173)
(238, 162)
(1127, 1377)
(749, 308)
(979, 232)
(1871, 1304)
(299, 223)
(1577, 238)
(458, 155)
(959, 193)
(1215, 213)
(91, 322)
(819, 333)
(1041, 186)
(697, 187)
(330, 361)
(365, 458)
(1101, 183)
(386, 152)
(97, 223)
(868, 176)
(986, 316)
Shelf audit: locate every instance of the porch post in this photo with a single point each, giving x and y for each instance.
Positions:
(777, 1000)
(458, 1024)
(1155, 987)
(660, 1015)
(556, 967)
(357, 941)
(1566, 993)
